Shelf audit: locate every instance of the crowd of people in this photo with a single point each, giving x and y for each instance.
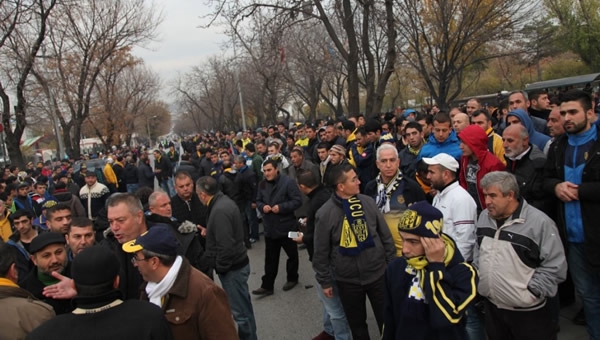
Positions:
(469, 224)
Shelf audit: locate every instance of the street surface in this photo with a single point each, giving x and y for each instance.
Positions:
(297, 314)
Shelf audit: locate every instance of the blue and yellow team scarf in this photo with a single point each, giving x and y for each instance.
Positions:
(355, 232)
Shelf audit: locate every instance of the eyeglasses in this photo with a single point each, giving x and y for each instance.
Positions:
(134, 259)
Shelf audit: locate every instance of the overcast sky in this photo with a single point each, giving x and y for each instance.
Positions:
(182, 43)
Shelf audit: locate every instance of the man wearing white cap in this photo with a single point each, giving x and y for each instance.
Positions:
(459, 219)
(460, 214)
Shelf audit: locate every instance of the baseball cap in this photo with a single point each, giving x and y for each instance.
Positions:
(444, 160)
(45, 239)
(158, 239)
(49, 204)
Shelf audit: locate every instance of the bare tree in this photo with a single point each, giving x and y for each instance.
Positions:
(23, 26)
(264, 55)
(82, 40)
(445, 39)
(349, 24)
(208, 95)
(124, 88)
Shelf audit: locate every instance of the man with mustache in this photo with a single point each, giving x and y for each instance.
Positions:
(49, 254)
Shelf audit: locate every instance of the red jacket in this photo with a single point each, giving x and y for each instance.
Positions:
(476, 139)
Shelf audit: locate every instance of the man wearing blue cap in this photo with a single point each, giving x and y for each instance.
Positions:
(429, 288)
(195, 307)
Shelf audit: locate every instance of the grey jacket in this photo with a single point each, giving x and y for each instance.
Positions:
(225, 247)
(363, 269)
(520, 262)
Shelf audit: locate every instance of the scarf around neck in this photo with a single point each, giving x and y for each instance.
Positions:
(157, 290)
(417, 264)
(355, 233)
(385, 191)
(46, 279)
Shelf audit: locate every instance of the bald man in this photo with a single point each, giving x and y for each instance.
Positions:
(460, 121)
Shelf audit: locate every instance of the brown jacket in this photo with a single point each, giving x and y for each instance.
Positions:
(21, 312)
(196, 308)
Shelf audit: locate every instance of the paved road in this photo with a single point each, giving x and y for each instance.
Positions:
(296, 314)
(291, 315)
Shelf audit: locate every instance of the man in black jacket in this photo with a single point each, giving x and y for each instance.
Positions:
(159, 204)
(227, 254)
(526, 162)
(145, 173)
(49, 254)
(163, 171)
(572, 174)
(187, 165)
(245, 180)
(278, 196)
(185, 204)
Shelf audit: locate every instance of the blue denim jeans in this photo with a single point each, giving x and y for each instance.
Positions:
(474, 323)
(235, 284)
(168, 186)
(587, 285)
(334, 318)
(132, 188)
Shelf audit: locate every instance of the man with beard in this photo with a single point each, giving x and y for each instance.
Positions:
(459, 219)
(571, 174)
(526, 162)
(49, 255)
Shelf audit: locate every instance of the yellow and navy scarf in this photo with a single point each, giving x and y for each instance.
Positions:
(417, 264)
(355, 233)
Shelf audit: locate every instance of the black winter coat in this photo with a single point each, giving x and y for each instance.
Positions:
(284, 192)
(554, 173)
